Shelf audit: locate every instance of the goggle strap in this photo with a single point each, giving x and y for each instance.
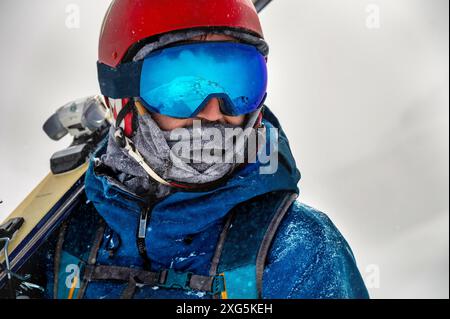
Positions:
(120, 82)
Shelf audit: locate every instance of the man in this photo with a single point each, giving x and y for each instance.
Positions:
(161, 221)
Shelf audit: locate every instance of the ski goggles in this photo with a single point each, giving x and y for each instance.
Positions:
(179, 81)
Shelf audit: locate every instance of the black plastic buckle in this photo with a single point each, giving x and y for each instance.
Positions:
(8, 229)
(218, 285)
(171, 279)
(119, 136)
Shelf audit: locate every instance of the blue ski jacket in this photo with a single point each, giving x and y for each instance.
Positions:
(308, 258)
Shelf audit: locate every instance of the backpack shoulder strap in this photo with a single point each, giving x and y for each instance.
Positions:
(245, 241)
(77, 245)
(288, 200)
(239, 259)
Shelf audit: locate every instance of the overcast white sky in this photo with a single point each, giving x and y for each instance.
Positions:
(366, 111)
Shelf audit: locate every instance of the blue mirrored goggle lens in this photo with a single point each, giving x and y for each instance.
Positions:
(179, 81)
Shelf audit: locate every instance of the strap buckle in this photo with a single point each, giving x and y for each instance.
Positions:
(119, 136)
(169, 278)
(218, 285)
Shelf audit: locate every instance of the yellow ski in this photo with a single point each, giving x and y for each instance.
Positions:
(37, 207)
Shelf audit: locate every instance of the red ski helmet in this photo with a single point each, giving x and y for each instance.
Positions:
(128, 22)
(130, 25)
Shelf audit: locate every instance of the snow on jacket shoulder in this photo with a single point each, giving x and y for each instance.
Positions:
(310, 259)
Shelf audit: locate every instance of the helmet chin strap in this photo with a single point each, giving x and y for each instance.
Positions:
(127, 144)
